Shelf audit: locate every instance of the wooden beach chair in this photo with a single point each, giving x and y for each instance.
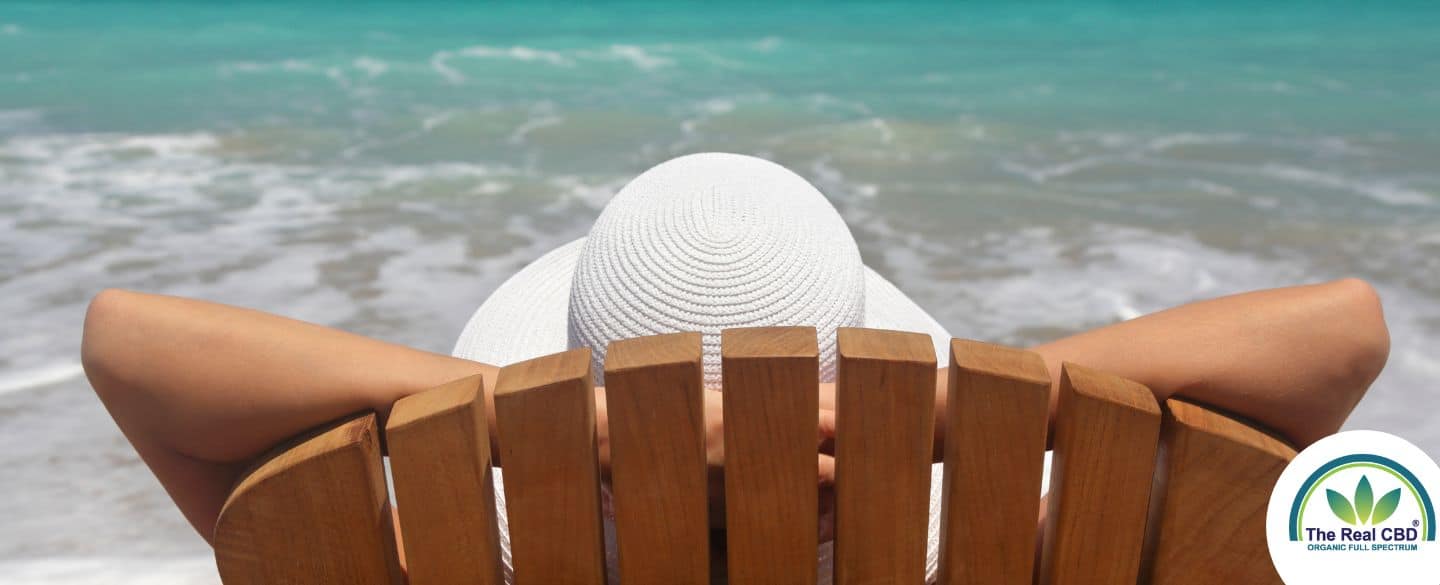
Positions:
(1170, 493)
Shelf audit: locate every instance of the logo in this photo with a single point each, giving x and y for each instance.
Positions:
(1355, 506)
(1364, 518)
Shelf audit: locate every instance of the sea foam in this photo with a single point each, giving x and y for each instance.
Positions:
(28, 379)
(110, 571)
(443, 62)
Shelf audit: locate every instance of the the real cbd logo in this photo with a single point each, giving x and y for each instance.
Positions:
(1360, 510)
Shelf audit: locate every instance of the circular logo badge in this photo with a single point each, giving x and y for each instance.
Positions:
(1356, 507)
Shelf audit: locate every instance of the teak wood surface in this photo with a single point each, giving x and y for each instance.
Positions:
(998, 413)
(1106, 431)
(439, 443)
(545, 411)
(655, 411)
(1215, 475)
(885, 393)
(1136, 493)
(315, 512)
(771, 403)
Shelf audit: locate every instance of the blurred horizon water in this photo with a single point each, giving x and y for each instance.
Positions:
(1023, 172)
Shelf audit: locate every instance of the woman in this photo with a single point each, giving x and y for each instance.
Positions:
(702, 243)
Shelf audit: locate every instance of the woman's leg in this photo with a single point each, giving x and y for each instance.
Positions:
(202, 389)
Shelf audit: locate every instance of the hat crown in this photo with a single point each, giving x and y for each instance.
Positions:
(712, 241)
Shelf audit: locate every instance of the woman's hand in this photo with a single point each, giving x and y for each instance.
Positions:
(715, 460)
(714, 430)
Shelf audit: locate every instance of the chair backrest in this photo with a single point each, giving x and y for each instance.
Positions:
(1139, 491)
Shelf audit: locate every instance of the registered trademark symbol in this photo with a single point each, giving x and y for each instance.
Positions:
(1414, 522)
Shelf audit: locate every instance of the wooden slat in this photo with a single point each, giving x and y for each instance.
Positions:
(885, 391)
(657, 458)
(545, 411)
(439, 444)
(315, 512)
(771, 404)
(1213, 487)
(998, 414)
(1106, 431)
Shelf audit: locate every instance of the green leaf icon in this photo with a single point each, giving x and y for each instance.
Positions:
(1386, 506)
(1341, 507)
(1364, 500)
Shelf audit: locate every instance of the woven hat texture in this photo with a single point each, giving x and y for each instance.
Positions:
(752, 245)
(700, 243)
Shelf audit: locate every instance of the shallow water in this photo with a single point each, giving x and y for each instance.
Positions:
(1022, 172)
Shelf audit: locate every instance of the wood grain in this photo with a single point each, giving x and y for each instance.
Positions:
(770, 378)
(316, 511)
(998, 411)
(439, 444)
(885, 392)
(654, 405)
(1106, 431)
(1213, 486)
(545, 414)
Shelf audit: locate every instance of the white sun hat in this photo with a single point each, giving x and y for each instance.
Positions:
(700, 243)
(703, 242)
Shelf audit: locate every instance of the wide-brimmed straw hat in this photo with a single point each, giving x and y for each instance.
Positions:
(703, 242)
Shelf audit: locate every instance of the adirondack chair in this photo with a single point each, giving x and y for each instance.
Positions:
(1171, 494)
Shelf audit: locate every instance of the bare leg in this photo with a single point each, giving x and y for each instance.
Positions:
(201, 389)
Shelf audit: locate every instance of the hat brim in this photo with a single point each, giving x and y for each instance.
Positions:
(528, 315)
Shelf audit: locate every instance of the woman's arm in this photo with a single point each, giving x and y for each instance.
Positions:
(1295, 359)
(202, 389)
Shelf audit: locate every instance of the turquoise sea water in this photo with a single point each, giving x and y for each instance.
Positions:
(1022, 171)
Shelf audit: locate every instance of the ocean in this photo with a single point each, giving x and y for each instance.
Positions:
(1023, 172)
